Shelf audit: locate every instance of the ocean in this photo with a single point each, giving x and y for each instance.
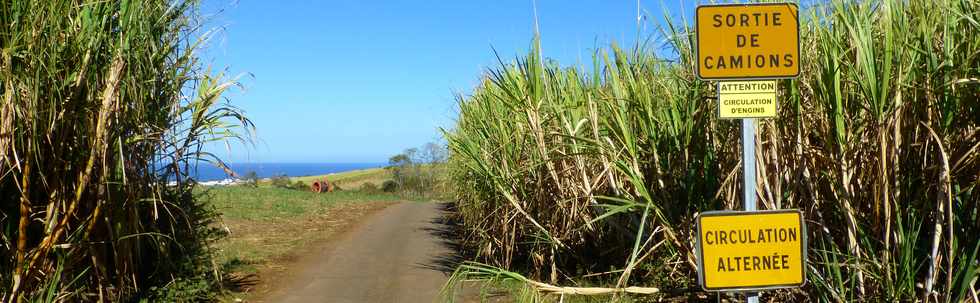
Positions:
(208, 172)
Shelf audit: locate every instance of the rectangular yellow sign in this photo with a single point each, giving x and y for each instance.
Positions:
(751, 250)
(748, 41)
(746, 99)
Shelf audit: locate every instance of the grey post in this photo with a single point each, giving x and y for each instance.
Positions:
(748, 164)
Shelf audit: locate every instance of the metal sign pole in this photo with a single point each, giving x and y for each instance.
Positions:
(748, 165)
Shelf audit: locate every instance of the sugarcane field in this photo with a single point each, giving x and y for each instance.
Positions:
(523, 151)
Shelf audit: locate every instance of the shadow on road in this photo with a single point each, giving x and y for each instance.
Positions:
(240, 282)
(449, 233)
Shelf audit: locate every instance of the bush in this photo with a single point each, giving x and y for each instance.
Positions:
(300, 185)
(369, 187)
(280, 181)
(195, 289)
(251, 179)
(389, 186)
(418, 170)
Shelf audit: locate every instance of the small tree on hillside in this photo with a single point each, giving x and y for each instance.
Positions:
(251, 179)
(399, 166)
(414, 169)
(433, 153)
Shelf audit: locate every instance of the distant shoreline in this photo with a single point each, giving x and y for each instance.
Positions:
(234, 181)
(213, 174)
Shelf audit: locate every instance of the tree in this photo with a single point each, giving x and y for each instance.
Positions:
(414, 168)
(433, 153)
(398, 166)
(251, 179)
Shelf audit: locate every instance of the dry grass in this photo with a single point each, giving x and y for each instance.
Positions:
(352, 179)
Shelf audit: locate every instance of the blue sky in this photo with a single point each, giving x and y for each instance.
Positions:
(360, 81)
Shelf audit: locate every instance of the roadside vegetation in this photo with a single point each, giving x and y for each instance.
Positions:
(419, 172)
(272, 221)
(104, 110)
(267, 226)
(567, 176)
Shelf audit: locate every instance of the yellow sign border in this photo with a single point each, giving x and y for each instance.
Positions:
(722, 213)
(718, 99)
(697, 38)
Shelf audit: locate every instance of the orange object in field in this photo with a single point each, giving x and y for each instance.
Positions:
(322, 186)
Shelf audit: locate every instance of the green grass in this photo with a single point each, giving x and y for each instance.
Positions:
(266, 226)
(265, 222)
(265, 203)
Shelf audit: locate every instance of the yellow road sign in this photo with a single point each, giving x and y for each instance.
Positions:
(748, 41)
(746, 99)
(751, 250)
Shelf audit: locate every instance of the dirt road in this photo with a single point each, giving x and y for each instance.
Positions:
(394, 255)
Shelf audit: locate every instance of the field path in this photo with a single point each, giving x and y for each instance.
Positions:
(393, 255)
